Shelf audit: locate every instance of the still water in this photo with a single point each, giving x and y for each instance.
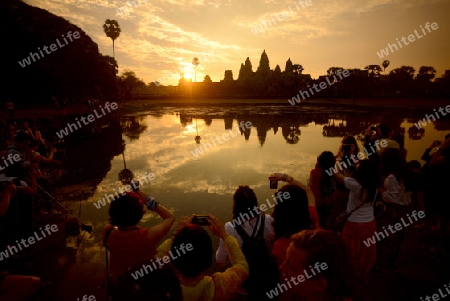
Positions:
(163, 141)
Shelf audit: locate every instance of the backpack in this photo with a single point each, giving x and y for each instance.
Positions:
(263, 273)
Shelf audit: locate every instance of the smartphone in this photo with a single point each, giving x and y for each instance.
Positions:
(273, 184)
(201, 220)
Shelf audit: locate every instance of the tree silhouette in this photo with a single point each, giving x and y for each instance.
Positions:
(334, 70)
(385, 64)
(426, 73)
(374, 70)
(297, 68)
(195, 62)
(112, 30)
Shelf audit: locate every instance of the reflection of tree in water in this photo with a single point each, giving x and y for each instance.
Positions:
(131, 126)
(94, 165)
(415, 134)
(185, 119)
(291, 133)
(208, 121)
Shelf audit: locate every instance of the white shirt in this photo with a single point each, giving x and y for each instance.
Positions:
(395, 192)
(269, 234)
(365, 213)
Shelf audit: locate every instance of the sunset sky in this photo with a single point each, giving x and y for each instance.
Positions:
(160, 38)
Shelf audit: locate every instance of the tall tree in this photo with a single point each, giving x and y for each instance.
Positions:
(112, 31)
(385, 64)
(426, 73)
(195, 62)
(374, 70)
(401, 79)
(334, 70)
(128, 81)
(297, 69)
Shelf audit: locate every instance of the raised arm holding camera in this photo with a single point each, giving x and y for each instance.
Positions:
(128, 243)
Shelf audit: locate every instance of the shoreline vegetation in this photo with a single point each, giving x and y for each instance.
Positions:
(47, 111)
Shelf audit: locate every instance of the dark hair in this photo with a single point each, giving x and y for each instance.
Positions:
(384, 129)
(34, 143)
(351, 140)
(392, 162)
(327, 246)
(368, 176)
(243, 198)
(126, 211)
(22, 137)
(414, 164)
(194, 262)
(292, 214)
(325, 161)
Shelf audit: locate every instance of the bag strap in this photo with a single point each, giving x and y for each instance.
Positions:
(360, 205)
(244, 234)
(261, 227)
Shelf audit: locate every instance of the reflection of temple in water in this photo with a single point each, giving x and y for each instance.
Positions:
(335, 124)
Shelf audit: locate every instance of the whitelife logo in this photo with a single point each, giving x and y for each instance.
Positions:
(360, 156)
(379, 235)
(27, 61)
(423, 123)
(199, 150)
(11, 250)
(243, 217)
(280, 16)
(110, 197)
(166, 259)
(322, 85)
(411, 38)
(319, 267)
(90, 118)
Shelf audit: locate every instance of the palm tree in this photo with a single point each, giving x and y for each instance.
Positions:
(195, 62)
(385, 64)
(112, 30)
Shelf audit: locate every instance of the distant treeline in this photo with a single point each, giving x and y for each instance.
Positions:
(371, 82)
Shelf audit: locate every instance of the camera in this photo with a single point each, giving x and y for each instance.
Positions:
(273, 184)
(201, 220)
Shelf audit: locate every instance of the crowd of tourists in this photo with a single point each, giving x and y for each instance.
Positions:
(349, 198)
(28, 161)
